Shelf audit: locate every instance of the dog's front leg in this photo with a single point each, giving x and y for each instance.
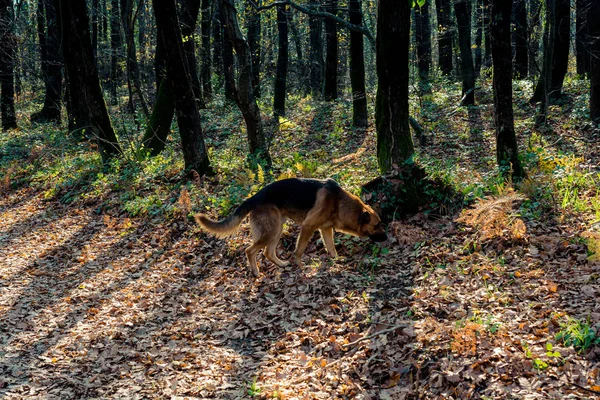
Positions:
(306, 233)
(327, 236)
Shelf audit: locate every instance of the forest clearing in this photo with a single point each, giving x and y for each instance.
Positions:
(487, 286)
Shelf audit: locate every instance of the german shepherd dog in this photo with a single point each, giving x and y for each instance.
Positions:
(313, 204)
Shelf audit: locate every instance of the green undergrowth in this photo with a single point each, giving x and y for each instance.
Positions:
(315, 139)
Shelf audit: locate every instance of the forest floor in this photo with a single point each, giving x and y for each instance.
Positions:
(109, 290)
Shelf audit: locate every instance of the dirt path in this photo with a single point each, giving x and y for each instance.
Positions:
(99, 306)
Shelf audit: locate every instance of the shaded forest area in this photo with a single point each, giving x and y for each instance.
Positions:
(470, 126)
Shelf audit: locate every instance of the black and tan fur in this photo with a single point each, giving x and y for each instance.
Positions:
(314, 204)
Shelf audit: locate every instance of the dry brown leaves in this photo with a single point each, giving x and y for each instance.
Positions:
(102, 306)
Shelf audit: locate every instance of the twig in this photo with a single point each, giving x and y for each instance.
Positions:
(584, 388)
(382, 332)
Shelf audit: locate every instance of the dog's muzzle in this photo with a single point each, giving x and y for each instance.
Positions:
(378, 237)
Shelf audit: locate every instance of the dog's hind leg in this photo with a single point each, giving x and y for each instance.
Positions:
(251, 255)
(327, 236)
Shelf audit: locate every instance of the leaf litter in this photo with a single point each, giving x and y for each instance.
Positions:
(97, 306)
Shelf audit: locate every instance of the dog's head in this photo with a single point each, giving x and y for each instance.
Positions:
(369, 224)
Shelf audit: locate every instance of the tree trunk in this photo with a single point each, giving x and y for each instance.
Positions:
(217, 29)
(282, 62)
(357, 67)
(562, 43)
(582, 38)
(51, 66)
(159, 124)
(478, 36)
(330, 91)
(445, 30)
(521, 39)
(188, 117)
(8, 43)
(188, 17)
(228, 60)
(487, 51)
(88, 106)
(394, 142)
(95, 5)
(507, 154)
(257, 143)
(542, 90)
(594, 32)
(535, 21)
(115, 50)
(423, 40)
(128, 16)
(462, 9)
(205, 68)
(315, 25)
(253, 27)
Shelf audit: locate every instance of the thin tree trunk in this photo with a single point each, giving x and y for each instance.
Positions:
(95, 5)
(462, 9)
(487, 51)
(282, 62)
(445, 29)
(315, 26)
(244, 93)
(357, 68)
(88, 106)
(205, 69)
(594, 34)
(188, 17)
(8, 42)
(115, 50)
(253, 27)
(423, 40)
(542, 90)
(507, 154)
(478, 4)
(521, 40)
(51, 66)
(188, 117)
(562, 44)
(582, 38)
(330, 91)
(394, 141)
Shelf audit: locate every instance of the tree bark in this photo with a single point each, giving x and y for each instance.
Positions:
(542, 90)
(582, 37)
(394, 141)
(205, 68)
(562, 44)
(507, 154)
(330, 91)
(228, 60)
(521, 39)
(8, 43)
(462, 9)
(423, 40)
(244, 92)
(315, 25)
(188, 17)
(253, 27)
(282, 62)
(51, 65)
(115, 50)
(445, 30)
(128, 17)
(594, 32)
(88, 106)
(478, 36)
(357, 67)
(188, 117)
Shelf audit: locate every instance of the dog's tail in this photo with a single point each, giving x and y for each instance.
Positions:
(228, 226)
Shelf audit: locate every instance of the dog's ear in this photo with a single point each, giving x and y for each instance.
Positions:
(364, 218)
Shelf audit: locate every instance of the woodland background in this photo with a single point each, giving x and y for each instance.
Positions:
(472, 126)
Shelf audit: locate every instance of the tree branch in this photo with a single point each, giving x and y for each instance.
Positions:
(316, 13)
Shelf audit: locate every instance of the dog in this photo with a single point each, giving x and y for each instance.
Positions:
(313, 204)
